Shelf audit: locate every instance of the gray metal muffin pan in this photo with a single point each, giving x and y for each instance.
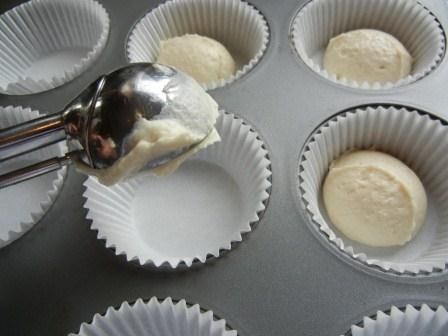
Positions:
(284, 278)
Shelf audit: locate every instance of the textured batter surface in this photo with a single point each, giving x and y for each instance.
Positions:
(203, 58)
(375, 199)
(367, 55)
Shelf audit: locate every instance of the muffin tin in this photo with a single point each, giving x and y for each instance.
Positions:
(284, 278)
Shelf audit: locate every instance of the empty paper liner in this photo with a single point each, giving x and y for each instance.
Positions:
(192, 214)
(407, 20)
(161, 318)
(46, 43)
(418, 140)
(415, 321)
(236, 24)
(24, 204)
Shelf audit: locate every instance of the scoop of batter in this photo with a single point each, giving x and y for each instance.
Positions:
(187, 119)
(367, 55)
(203, 58)
(374, 198)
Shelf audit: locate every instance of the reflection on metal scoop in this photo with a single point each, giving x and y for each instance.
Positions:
(98, 122)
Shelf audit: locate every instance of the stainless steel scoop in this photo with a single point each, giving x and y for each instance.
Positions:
(96, 123)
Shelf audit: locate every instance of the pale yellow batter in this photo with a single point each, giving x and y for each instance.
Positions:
(374, 198)
(367, 55)
(203, 58)
(152, 139)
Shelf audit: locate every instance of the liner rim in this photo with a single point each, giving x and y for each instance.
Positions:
(404, 309)
(169, 299)
(365, 86)
(321, 232)
(182, 264)
(244, 70)
(76, 69)
(20, 228)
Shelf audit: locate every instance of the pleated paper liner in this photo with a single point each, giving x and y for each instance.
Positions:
(23, 205)
(415, 138)
(161, 318)
(410, 320)
(407, 20)
(47, 43)
(195, 213)
(240, 27)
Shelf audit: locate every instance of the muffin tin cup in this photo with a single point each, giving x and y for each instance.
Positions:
(47, 43)
(27, 202)
(240, 27)
(415, 138)
(165, 318)
(415, 321)
(196, 212)
(408, 21)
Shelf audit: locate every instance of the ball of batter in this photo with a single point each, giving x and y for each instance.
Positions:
(203, 58)
(374, 198)
(367, 55)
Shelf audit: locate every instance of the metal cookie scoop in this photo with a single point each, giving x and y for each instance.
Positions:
(96, 123)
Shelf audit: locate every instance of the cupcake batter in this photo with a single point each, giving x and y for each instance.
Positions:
(374, 198)
(203, 58)
(367, 55)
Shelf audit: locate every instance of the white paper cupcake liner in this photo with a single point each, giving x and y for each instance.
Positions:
(415, 321)
(240, 27)
(407, 20)
(418, 140)
(161, 318)
(47, 43)
(193, 214)
(24, 204)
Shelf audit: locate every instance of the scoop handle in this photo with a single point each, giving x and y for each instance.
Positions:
(30, 130)
(34, 170)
